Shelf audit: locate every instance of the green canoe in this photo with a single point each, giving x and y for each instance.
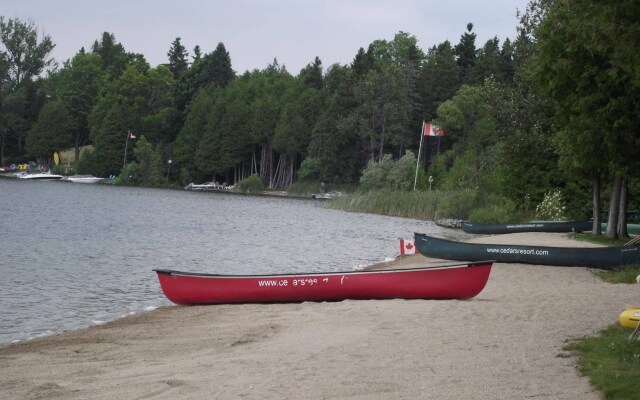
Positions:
(598, 257)
(536, 226)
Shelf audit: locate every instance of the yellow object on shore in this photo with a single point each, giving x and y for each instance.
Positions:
(56, 158)
(630, 318)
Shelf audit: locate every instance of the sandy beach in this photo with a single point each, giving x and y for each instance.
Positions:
(504, 344)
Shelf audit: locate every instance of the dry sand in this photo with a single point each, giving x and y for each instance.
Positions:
(504, 344)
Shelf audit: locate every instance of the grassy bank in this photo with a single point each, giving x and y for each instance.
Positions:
(611, 362)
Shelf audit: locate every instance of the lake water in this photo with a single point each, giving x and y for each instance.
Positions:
(73, 255)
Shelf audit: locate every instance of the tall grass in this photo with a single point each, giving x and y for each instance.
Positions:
(431, 205)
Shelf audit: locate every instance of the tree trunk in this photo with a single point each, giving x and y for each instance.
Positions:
(614, 208)
(381, 149)
(622, 213)
(597, 227)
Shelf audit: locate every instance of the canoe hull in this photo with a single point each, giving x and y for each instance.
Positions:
(493, 229)
(451, 282)
(598, 257)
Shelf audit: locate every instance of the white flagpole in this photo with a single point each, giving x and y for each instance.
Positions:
(126, 144)
(415, 180)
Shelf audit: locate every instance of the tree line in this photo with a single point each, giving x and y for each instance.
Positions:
(556, 108)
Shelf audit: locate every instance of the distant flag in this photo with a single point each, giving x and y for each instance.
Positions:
(407, 247)
(131, 135)
(432, 130)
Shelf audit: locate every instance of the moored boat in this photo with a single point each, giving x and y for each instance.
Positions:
(599, 257)
(43, 176)
(446, 282)
(536, 226)
(84, 179)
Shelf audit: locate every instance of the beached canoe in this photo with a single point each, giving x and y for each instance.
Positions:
(537, 226)
(445, 282)
(599, 257)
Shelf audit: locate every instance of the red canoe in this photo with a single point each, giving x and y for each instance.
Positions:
(445, 282)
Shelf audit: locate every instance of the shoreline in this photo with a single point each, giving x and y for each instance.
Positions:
(505, 343)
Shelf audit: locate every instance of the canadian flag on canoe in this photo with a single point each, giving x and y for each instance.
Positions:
(407, 247)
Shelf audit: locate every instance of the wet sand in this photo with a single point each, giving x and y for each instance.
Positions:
(505, 343)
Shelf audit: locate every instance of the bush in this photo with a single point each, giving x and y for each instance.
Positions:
(251, 184)
(389, 174)
(459, 204)
(500, 211)
(309, 169)
(552, 207)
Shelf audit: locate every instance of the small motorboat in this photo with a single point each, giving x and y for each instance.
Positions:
(444, 282)
(84, 179)
(43, 176)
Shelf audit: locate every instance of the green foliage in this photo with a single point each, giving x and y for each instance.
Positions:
(466, 54)
(177, 54)
(611, 362)
(23, 57)
(376, 175)
(552, 207)
(51, 132)
(149, 170)
(458, 205)
(499, 210)
(389, 174)
(252, 184)
(309, 169)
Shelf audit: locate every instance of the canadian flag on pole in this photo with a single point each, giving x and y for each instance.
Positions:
(131, 135)
(407, 247)
(432, 130)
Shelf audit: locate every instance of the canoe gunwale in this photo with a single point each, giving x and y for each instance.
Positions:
(470, 264)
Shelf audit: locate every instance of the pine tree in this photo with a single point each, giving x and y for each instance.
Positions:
(177, 58)
(466, 53)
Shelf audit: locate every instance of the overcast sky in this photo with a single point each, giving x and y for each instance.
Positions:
(255, 32)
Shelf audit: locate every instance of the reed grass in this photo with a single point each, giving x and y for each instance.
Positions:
(425, 205)
(418, 205)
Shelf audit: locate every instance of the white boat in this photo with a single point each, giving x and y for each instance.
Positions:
(204, 186)
(44, 176)
(325, 196)
(84, 179)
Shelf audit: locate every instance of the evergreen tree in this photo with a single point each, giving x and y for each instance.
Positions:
(197, 53)
(487, 62)
(311, 75)
(114, 57)
(466, 54)
(24, 58)
(216, 68)
(583, 64)
(51, 132)
(363, 62)
(506, 64)
(78, 84)
(177, 58)
(440, 78)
